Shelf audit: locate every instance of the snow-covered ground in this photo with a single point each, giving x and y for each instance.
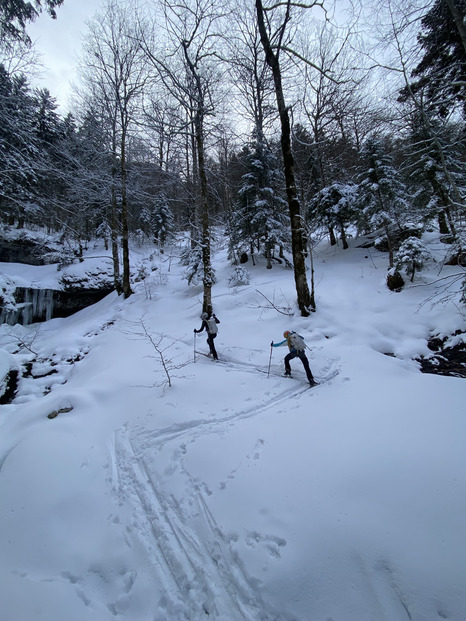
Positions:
(232, 495)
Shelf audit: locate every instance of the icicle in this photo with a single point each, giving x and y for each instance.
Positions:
(37, 305)
(27, 308)
(49, 305)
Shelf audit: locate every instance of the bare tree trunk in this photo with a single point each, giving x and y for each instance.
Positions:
(124, 219)
(313, 293)
(442, 223)
(344, 241)
(199, 150)
(208, 276)
(297, 227)
(268, 255)
(116, 72)
(114, 235)
(390, 247)
(114, 221)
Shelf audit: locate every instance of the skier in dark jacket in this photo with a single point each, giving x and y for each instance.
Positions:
(209, 323)
(297, 347)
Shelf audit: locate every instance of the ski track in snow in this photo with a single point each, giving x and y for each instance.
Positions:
(196, 564)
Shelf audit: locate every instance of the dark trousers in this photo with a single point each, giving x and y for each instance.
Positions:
(210, 343)
(302, 356)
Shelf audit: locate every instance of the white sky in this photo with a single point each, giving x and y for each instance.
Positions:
(59, 43)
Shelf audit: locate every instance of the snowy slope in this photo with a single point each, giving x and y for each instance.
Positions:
(232, 495)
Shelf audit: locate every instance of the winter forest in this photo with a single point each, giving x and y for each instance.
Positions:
(289, 166)
(281, 123)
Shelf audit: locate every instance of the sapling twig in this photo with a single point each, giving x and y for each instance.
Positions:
(22, 342)
(283, 310)
(156, 342)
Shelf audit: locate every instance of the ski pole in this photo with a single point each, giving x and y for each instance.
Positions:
(270, 359)
(194, 346)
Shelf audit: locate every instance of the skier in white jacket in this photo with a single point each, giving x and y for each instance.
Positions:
(209, 323)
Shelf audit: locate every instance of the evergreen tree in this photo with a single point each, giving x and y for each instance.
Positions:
(382, 193)
(442, 70)
(51, 161)
(88, 179)
(145, 221)
(162, 221)
(18, 150)
(335, 207)
(262, 221)
(15, 14)
(412, 255)
(435, 166)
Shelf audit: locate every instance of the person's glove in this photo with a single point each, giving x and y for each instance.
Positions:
(195, 330)
(271, 344)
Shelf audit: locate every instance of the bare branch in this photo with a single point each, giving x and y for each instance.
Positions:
(283, 310)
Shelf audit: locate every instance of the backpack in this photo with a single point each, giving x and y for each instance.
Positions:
(297, 341)
(211, 326)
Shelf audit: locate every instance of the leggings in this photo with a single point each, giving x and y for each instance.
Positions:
(210, 343)
(302, 356)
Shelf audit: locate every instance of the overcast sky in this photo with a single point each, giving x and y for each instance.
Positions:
(59, 43)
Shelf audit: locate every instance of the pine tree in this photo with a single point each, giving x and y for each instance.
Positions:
(435, 167)
(15, 14)
(262, 221)
(335, 207)
(412, 255)
(442, 70)
(382, 193)
(51, 162)
(89, 178)
(162, 224)
(18, 150)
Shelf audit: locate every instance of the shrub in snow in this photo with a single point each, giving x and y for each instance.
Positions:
(145, 268)
(142, 273)
(239, 277)
(412, 256)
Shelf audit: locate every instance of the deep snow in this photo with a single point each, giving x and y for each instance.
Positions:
(232, 495)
